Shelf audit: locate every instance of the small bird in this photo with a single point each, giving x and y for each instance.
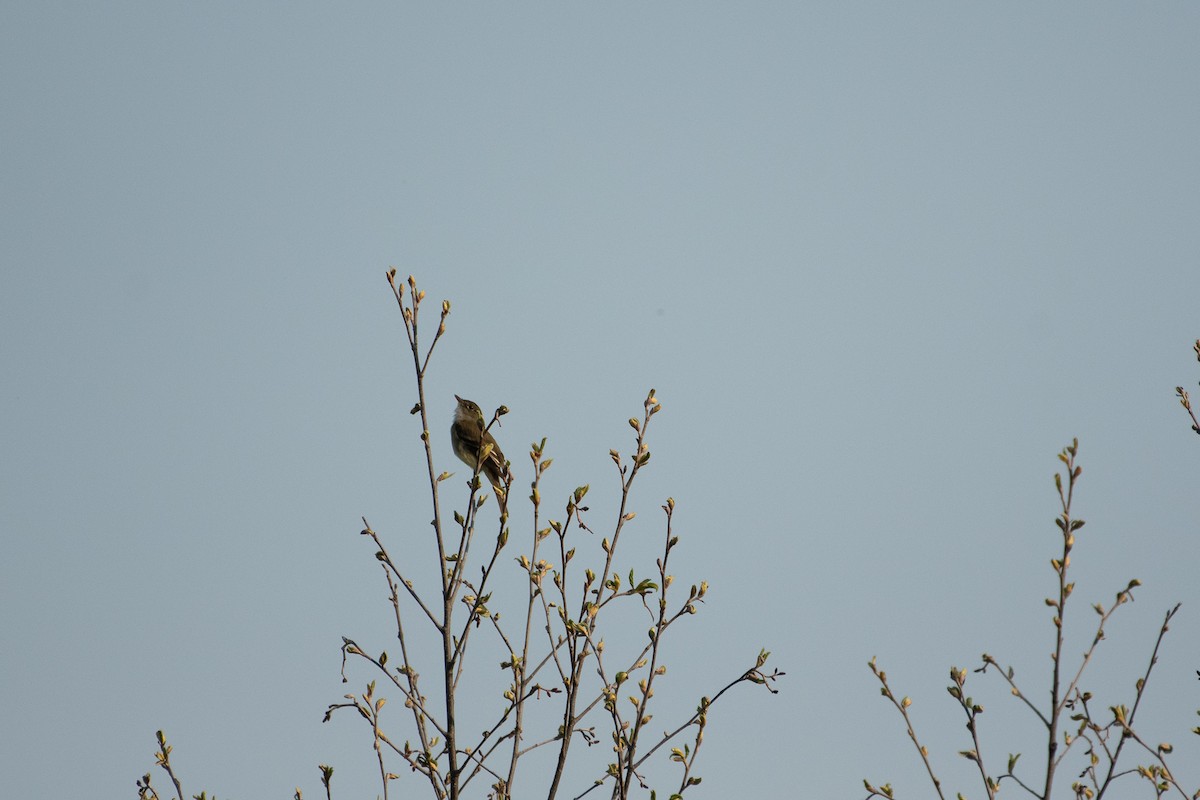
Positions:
(467, 436)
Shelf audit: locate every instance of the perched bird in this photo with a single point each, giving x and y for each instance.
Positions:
(467, 436)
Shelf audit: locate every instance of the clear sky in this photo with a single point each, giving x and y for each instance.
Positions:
(880, 260)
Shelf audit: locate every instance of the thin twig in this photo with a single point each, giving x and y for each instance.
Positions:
(902, 707)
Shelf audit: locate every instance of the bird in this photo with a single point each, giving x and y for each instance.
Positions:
(468, 436)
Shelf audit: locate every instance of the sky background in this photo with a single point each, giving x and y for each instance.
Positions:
(880, 261)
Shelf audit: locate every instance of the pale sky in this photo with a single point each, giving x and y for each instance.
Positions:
(880, 261)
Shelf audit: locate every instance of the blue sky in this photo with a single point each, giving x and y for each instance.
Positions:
(880, 261)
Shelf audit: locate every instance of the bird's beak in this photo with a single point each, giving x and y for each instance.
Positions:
(459, 399)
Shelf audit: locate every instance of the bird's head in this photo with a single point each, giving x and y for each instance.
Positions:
(467, 411)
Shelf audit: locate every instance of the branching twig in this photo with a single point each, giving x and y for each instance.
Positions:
(902, 706)
(1125, 719)
(572, 640)
(1064, 695)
